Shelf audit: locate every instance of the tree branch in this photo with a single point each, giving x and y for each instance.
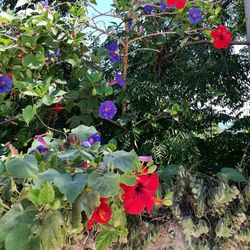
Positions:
(167, 56)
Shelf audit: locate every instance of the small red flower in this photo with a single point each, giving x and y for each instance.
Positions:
(73, 33)
(101, 215)
(84, 164)
(222, 37)
(179, 4)
(58, 107)
(141, 195)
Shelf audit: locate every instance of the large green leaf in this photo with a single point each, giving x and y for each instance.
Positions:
(104, 239)
(34, 61)
(83, 132)
(16, 215)
(2, 168)
(72, 154)
(122, 160)
(71, 186)
(128, 178)
(107, 185)
(46, 194)
(168, 171)
(49, 175)
(28, 114)
(89, 201)
(22, 168)
(52, 231)
(233, 174)
(21, 238)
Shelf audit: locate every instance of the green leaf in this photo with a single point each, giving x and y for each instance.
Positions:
(89, 201)
(233, 174)
(52, 231)
(69, 155)
(28, 114)
(83, 132)
(22, 168)
(128, 178)
(34, 61)
(21, 238)
(2, 168)
(49, 175)
(104, 239)
(122, 160)
(15, 216)
(107, 185)
(46, 194)
(71, 186)
(169, 171)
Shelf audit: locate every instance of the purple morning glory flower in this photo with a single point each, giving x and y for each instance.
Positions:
(112, 47)
(114, 57)
(91, 140)
(107, 110)
(195, 15)
(5, 84)
(41, 140)
(145, 158)
(130, 23)
(148, 9)
(103, 165)
(119, 79)
(56, 52)
(45, 4)
(163, 6)
(42, 150)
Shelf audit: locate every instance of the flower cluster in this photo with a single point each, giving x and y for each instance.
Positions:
(136, 198)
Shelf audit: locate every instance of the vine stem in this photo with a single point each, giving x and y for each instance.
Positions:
(53, 129)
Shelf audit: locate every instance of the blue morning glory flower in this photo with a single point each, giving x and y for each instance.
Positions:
(42, 150)
(163, 6)
(119, 79)
(91, 140)
(130, 23)
(148, 9)
(45, 4)
(195, 15)
(107, 110)
(112, 47)
(114, 57)
(5, 84)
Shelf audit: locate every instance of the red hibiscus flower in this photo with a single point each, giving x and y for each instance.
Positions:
(141, 195)
(222, 37)
(179, 4)
(101, 215)
(58, 107)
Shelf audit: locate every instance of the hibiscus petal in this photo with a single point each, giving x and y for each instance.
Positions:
(181, 4)
(171, 3)
(91, 221)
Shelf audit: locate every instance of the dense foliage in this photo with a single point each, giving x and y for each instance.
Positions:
(151, 88)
